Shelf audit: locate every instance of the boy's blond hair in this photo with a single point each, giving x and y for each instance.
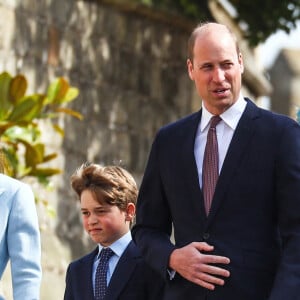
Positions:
(109, 184)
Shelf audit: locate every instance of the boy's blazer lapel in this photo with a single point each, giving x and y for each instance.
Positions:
(123, 271)
(241, 138)
(83, 280)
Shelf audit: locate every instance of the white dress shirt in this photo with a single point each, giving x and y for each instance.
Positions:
(224, 129)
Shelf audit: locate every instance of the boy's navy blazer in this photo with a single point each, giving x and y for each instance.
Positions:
(131, 280)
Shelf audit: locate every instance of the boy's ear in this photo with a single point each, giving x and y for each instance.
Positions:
(130, 212)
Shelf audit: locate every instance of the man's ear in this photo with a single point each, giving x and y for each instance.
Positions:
(241, 62)
(130, 212)
(190, 68)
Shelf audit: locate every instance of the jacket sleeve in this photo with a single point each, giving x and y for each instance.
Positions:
(24, 245)
(153, 226)
(287, 281)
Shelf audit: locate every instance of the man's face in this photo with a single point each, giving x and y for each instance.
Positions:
(216, 69)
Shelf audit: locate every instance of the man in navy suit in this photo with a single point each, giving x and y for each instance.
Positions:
(247, 247)
(107, 199)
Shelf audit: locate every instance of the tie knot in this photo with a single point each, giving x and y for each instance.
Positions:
(106, 254)
(214, 121)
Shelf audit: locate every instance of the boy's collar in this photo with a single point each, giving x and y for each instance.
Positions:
(119, 246)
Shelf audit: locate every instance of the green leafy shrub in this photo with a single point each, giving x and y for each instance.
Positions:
(22, 148)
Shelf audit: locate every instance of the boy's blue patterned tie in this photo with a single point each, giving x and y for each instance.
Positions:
(101, 273)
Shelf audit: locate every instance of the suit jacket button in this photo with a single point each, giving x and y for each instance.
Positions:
(205, 236)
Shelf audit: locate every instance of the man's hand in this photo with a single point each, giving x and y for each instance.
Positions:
(194, 265)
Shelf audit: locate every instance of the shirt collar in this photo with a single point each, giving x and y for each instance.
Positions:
(119, 246)
(231, 116)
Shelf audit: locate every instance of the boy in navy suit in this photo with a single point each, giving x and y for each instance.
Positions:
(107, 198)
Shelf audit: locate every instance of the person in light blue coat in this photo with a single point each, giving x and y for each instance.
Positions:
(20, 238)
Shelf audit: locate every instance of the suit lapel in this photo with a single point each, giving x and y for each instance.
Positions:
(189, 166)
(123, 271)
(235, 153)
(85, 270)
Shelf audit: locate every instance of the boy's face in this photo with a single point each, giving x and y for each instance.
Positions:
(104, 223)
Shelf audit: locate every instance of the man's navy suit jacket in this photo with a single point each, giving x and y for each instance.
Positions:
(131, 280)
(255, 214)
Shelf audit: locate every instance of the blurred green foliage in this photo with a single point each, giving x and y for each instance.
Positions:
(21, 144)
(258, 19)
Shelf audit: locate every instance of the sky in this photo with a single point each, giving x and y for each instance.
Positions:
(271, 48)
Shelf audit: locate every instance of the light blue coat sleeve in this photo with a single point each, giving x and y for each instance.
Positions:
(20, 238)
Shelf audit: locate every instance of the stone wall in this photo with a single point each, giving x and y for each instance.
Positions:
(130, 68)
(132, 76)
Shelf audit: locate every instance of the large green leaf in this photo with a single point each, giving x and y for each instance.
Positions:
(34, 153)
(11, 161)
(18, 87)
(5, 105)
(44, 172)
(28, 109)
(70, 95)
(70, 112)
(57, 90)
(49, 157)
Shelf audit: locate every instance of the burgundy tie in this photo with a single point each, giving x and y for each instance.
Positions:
(101, 273)
(210, 169)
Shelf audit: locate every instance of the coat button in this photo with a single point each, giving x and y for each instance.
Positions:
(205, 236)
